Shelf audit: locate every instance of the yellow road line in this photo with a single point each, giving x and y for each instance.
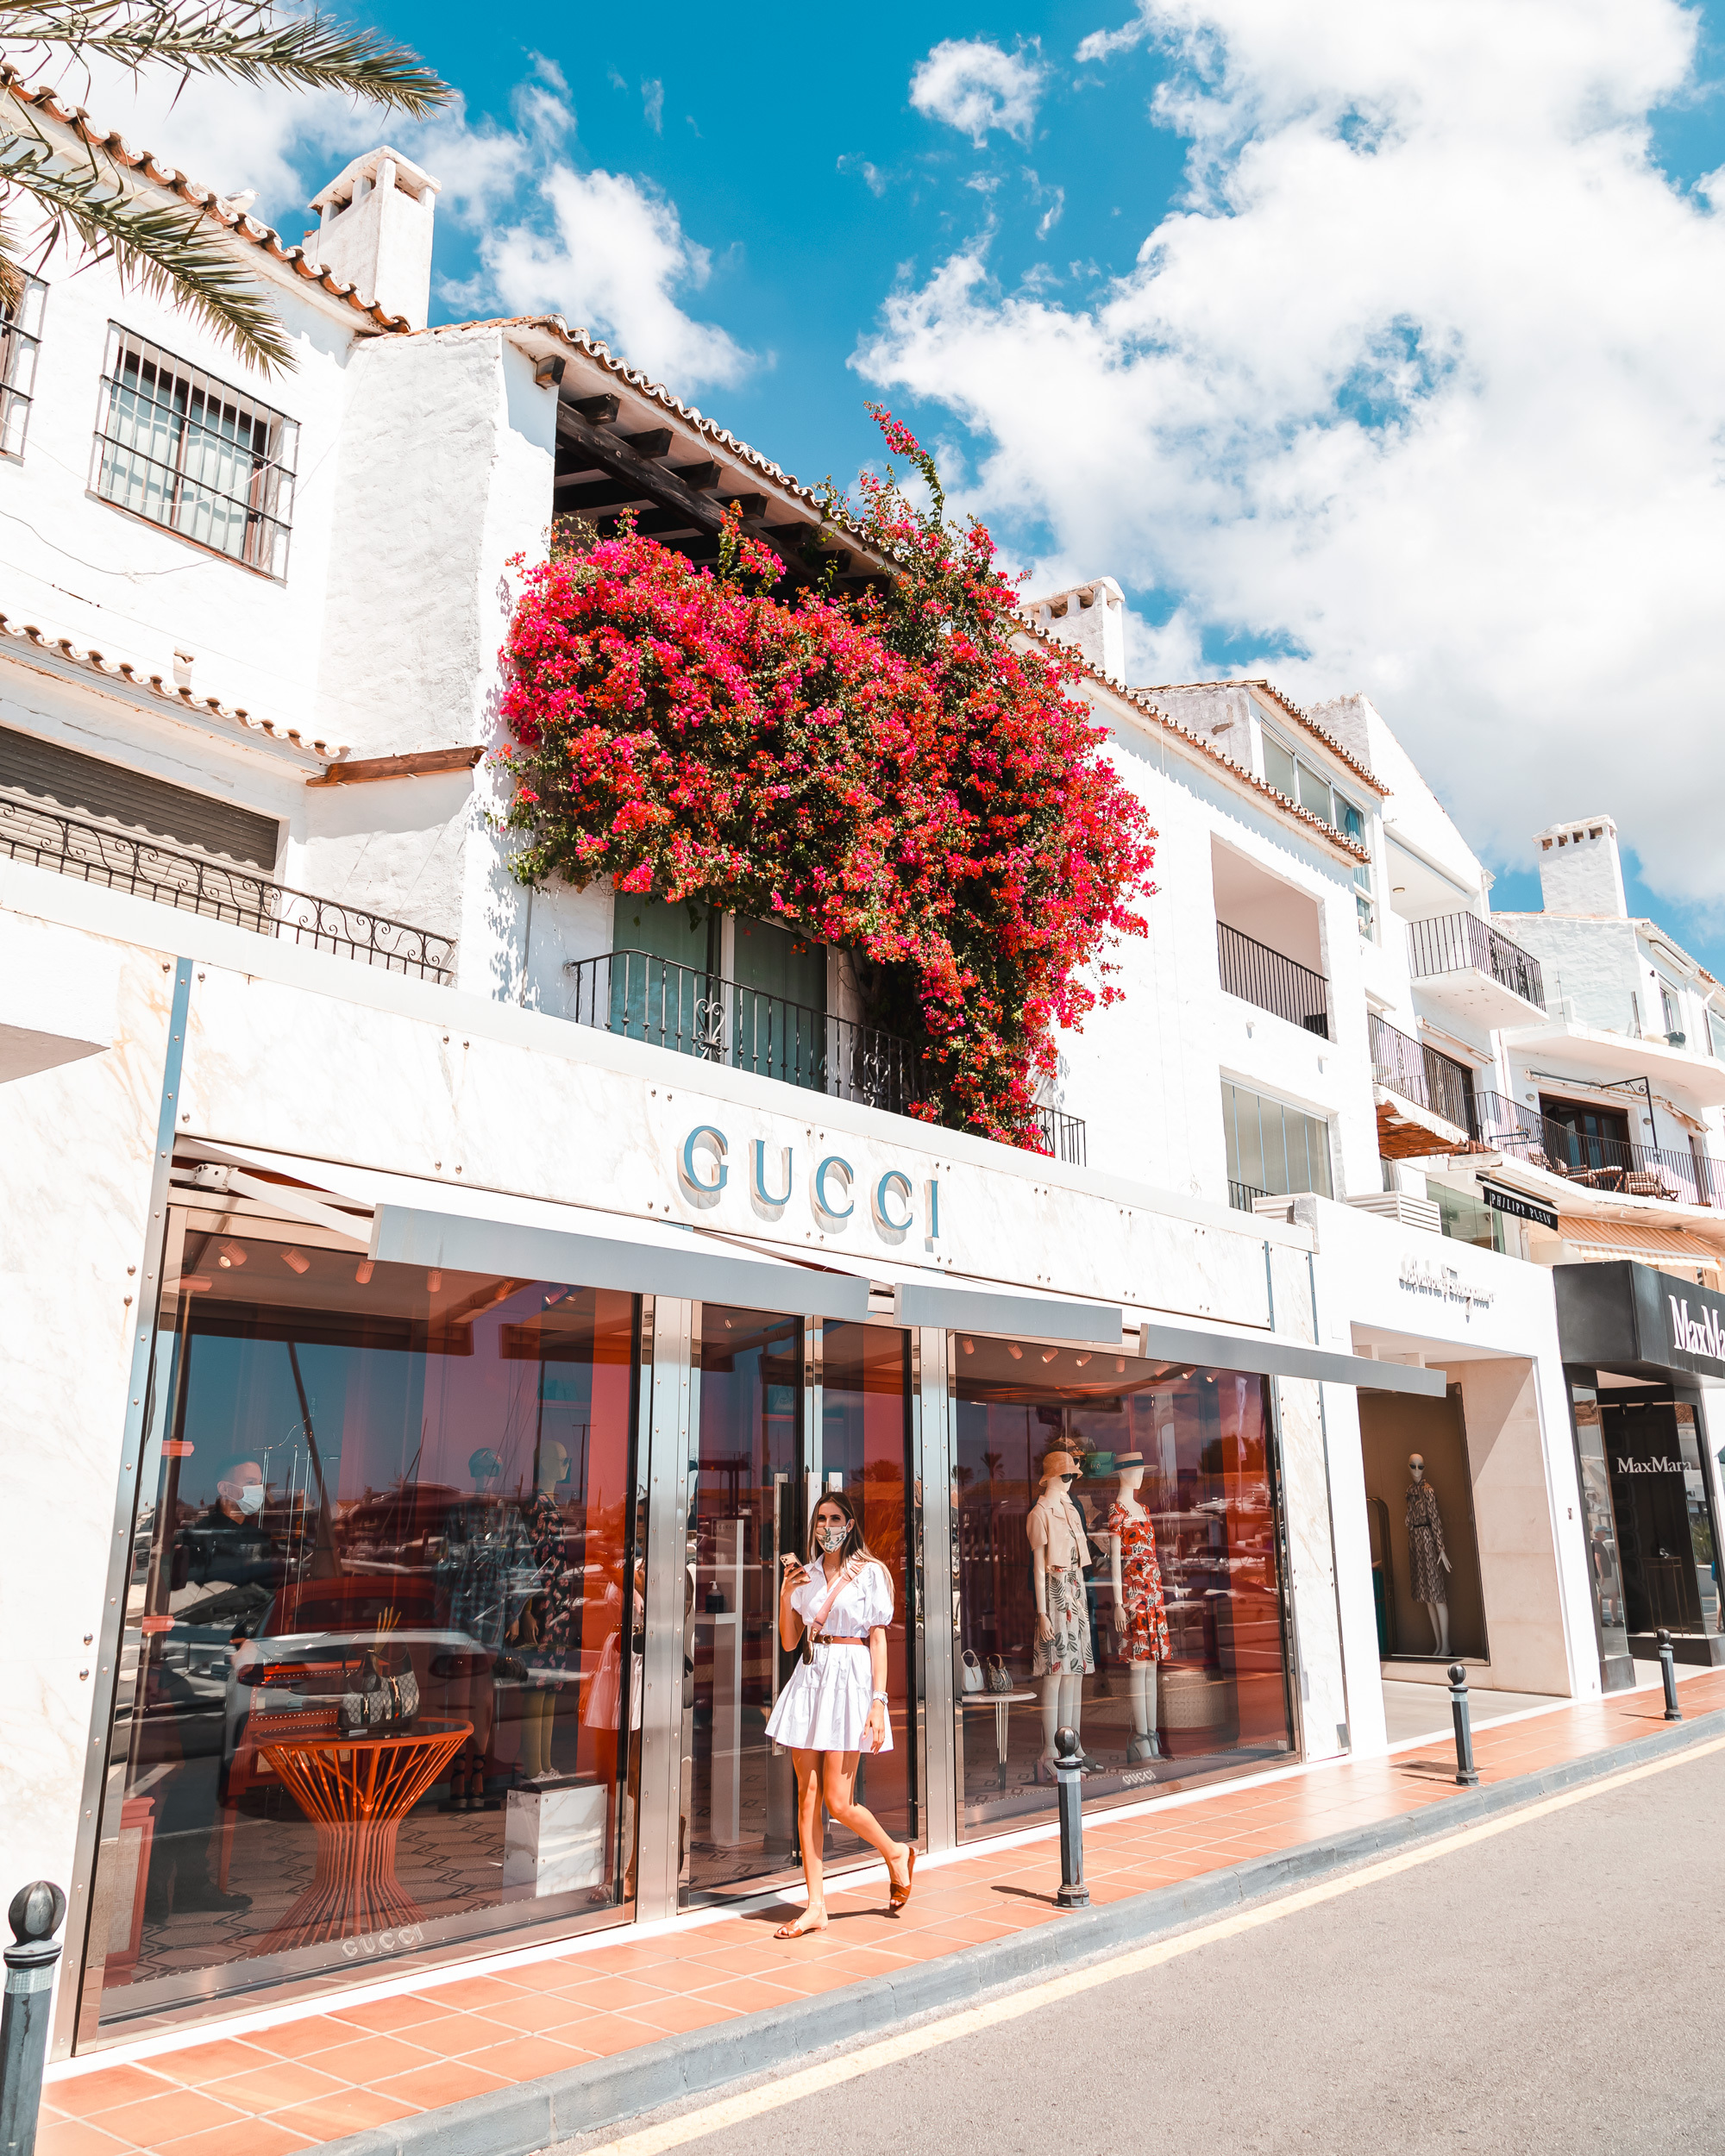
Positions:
(737, 2110)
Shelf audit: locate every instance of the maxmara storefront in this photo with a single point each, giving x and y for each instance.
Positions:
(410, 1400)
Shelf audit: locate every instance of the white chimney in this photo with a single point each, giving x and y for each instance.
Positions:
(1579, 870)
(376, 232)
(1091, 616)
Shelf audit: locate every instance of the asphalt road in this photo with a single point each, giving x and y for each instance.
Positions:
(1558, 1988)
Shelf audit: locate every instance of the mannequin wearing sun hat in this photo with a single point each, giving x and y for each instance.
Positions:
(1059, 1552)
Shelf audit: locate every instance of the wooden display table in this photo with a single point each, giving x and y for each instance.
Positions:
(356, 1791)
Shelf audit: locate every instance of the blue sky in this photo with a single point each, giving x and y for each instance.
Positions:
(1377, 346)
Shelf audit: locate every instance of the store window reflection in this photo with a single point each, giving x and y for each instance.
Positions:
(1116, 1543)
(377, 1688)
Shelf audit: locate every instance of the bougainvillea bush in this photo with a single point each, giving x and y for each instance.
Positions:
(887, 772)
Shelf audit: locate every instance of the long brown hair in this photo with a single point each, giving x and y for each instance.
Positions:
(853, 1544)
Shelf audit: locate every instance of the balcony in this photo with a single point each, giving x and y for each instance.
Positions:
(1421, 1076)
(1258, 974)
(1609, 1167)
(692, 1012)
(1465, 967)
(192, 884)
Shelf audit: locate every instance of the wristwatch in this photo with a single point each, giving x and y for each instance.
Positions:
(882, 1700)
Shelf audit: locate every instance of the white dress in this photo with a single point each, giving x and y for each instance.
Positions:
(824, 1707)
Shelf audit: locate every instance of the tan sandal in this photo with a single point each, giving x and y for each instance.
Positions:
(799, 1926)
(900, 1895)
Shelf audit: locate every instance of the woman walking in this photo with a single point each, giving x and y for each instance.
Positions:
(835, 1706)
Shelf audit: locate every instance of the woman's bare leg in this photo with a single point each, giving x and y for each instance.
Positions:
(840, 1779)
(809, 1833)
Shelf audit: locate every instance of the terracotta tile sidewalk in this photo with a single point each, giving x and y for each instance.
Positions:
(306, 2081)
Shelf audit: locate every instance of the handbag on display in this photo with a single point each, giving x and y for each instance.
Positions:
(973, 1672)
(384, 1701)
(999, 1678)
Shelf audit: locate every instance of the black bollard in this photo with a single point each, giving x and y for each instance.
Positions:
(1466, 1773)
(36, 1914)
(1074, 1894)
(1668, 1671)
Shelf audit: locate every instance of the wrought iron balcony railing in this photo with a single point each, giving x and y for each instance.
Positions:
(1241, 1196)
(1454, 942)
(1065, 1136)
(1258, 975)
(694, 1012)
(241, 896)
(1612, 1166)
(1419, 1073)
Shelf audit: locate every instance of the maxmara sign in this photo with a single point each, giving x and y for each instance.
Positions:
(1702, 1335)
(900, 1205)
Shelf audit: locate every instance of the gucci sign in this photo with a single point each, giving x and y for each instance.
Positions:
(834, 1192)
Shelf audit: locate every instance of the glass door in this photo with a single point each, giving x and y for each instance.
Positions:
(751, 1493)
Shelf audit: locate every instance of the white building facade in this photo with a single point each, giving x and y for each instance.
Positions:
(427, 1345)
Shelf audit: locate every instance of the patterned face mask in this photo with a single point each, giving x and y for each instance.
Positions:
(833, 1536)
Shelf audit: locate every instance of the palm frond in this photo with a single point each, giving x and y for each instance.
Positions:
(242, 43)
(170, 254)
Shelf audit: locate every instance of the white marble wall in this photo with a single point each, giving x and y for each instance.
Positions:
(77, 1141)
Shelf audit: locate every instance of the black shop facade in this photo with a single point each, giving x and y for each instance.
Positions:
(1644, 1358)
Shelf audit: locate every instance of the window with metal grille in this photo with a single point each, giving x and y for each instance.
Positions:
(20, 333)
(175, 445)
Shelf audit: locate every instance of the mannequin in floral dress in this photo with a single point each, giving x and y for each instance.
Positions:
(1140, 1619)
(1427, 1553)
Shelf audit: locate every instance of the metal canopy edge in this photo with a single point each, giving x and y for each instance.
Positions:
(981, 1310)
(405, 1236)
(1285, 1358)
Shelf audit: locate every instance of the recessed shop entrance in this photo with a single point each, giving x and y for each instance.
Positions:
(1425, 1554)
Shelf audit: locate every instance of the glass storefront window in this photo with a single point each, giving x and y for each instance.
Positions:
(1116, 1540)
(377, 1687)
(1600, 1517)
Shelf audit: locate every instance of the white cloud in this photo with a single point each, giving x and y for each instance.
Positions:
(653, 104)
(600, 247)
(974, 86)
(1424, 384)
(613, 261)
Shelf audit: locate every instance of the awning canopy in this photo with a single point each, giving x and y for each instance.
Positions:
(1628, 1238)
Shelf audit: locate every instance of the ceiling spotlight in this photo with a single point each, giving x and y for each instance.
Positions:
(362, 1273)
(1049, 1354)
(229, 1253)
(970, 1346)
(295, 1261)
(434, 1279)
(1119, 1366)
(1015, 1350)
(1081, 1360)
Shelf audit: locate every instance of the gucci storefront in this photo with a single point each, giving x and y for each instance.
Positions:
(1644, 1353)
(450, 1523)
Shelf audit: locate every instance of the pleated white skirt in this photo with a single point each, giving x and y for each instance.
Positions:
(824, 1707)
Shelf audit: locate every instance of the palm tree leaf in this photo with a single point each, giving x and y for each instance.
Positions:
(243, 43)
(170, 254)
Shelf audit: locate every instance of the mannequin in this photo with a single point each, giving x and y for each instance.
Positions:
(1140, 1622)
(1428, 1558)
(1059, 1553)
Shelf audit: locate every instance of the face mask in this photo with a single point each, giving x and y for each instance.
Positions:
(251, 1497)
(833, 1537)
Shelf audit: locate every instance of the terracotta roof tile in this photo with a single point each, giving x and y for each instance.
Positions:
(1300, 717)
(27, 636)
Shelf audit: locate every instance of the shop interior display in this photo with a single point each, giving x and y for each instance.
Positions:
(1427, 1579)
(384, 1565)
(1117, 1562)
